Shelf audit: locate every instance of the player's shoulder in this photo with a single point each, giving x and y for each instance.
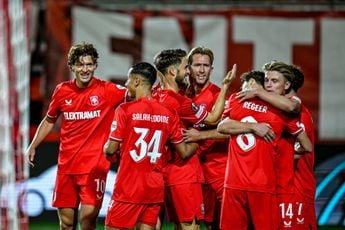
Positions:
(65, 85)
(109, 84)
(213, 87)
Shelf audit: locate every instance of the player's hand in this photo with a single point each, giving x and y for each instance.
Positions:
(230, 76)
(30, 156)
(113, 158)
(190, 135)
(247, 94)
(265, 131)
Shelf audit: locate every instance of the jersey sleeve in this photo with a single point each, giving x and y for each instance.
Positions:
(115, 93)
(191, 112)
(119, 125)
(294, 126)
(54, 106)
(176, 129)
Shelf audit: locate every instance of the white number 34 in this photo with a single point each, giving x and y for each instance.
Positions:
(151, 149)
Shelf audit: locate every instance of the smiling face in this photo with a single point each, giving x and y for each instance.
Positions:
(276, 82)
(182, 73)
(200, 69)
(84, 69)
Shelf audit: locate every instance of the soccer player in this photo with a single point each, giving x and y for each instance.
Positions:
(183, 178)
(142, 127)
(304, 181)
(212, 152)
(250, 181)
(290, 209)
(86, 104)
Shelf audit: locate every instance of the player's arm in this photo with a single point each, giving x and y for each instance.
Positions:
(193, 135)
(289, 105)
(186, 149)
(110, 148)
(42, 131)
(233, 127)
(303, 143)
(217, 110)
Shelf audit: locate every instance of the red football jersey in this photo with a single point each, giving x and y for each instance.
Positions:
(285, 164)
(252, 161)
(143, 127)
(305, 183)
(212, 153)
(86, 119)
(180, 171)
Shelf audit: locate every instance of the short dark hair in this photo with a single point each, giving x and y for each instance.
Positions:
(82, 49)
(298, 78)
(258, 76)
(145, 70)
(166, 58)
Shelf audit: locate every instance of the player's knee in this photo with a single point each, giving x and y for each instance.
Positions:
(67, 225)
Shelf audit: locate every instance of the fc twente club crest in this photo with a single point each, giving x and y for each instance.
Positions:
(94, 100)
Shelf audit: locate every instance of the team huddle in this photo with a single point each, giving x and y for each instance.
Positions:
(188, 151)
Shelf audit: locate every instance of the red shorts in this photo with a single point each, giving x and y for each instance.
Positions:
(295, 214)
(239, 207)
(72, 190)
(218, 187)
(305, 218)
(210, 201)
(127, 215)
(184, 202)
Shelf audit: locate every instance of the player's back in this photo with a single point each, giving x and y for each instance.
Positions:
(146, 127)
(252, 160)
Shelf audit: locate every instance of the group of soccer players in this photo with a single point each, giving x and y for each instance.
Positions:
(182, 155)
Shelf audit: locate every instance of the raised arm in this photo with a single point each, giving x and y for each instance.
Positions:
(214, 116)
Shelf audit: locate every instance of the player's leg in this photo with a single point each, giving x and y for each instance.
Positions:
(194, 225)
(187, 205)
(88, 216)
(149, 216)
(91, 192)
(68, 218)
(65, 198)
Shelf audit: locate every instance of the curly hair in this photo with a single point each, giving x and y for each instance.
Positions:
(82, 49)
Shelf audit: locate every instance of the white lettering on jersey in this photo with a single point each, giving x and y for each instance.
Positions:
(83, 115)
(152, 118)
(255, 107)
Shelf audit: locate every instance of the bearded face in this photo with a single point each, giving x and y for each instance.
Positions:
(182, 74)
